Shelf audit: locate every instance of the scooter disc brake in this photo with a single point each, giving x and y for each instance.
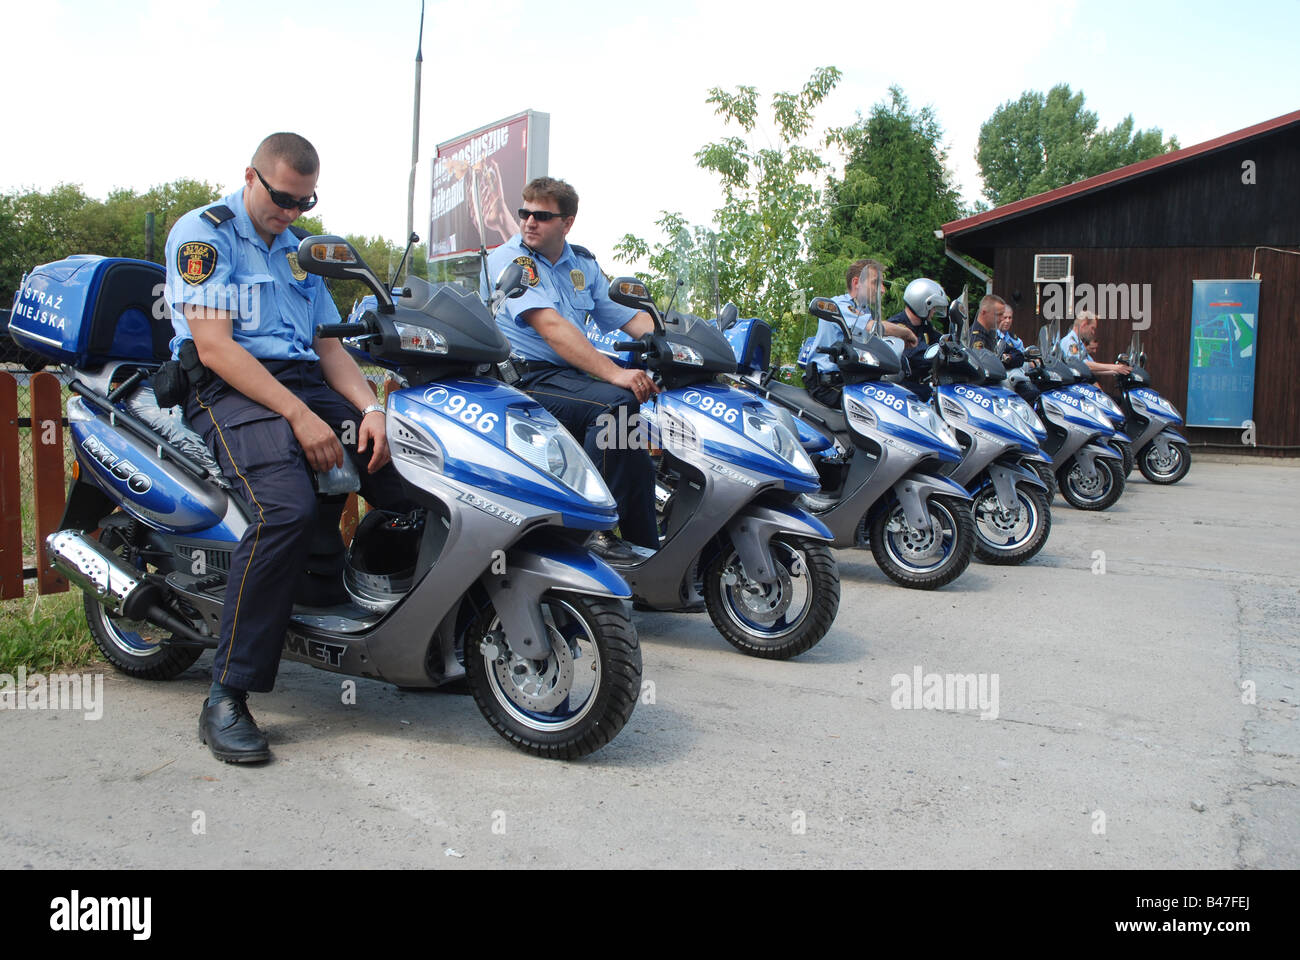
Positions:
(766, 602)
(1004, 521)
(916, 544)
(1089, 489)
(536, 685)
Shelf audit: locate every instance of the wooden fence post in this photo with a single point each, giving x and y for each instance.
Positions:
(11, 494)
(48, 478)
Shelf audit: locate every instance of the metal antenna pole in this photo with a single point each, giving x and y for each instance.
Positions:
(415, 128)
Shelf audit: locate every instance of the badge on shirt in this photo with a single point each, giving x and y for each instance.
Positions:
(195, 261)
(298, 272)
(1074, 349)
(579, 280)
(530, 270)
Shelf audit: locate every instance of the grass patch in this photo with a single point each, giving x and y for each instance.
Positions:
(45, 634)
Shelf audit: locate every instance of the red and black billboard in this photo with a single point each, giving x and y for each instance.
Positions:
(478, 180)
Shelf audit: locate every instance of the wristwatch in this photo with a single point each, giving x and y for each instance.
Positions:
(373, 408)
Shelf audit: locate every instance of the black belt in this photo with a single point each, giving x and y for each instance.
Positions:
(533, 366)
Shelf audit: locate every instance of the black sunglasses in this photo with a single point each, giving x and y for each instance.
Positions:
(541, 216)
(284, 200)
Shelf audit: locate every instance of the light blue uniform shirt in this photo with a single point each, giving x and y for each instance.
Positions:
(573, 286)
(829, 334)
(1011, 340)
(275, 305)
(1072, 347)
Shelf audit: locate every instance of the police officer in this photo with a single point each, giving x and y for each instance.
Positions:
(923, 302)
(560, 368)
(985, 335)
(1009, 340)
(861, 298)
(1073, 345)
(268, 399)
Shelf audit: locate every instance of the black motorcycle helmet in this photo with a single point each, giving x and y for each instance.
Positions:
(380, 567)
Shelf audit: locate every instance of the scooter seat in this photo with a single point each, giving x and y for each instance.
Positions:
(171, 426)
(798, 400)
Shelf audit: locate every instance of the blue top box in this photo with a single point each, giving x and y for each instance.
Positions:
(88, 310)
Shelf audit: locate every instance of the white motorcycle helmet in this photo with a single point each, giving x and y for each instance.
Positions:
(926, 299)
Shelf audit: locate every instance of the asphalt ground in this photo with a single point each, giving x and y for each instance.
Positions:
(1123, 737)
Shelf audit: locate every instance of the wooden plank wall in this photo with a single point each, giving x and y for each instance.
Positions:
(1170, 271)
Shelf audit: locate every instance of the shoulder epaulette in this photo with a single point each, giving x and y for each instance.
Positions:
(218, 215)
(301, 233)
(582, 251)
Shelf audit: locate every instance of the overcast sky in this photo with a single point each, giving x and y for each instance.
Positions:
(133, 94)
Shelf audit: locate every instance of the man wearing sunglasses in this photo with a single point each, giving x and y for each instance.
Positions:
(559, 367)
(268, 398)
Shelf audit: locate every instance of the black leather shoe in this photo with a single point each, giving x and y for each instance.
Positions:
(613, 550)
(231, 733)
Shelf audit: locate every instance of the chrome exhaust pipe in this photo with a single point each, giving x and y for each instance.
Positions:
(121, 589)
(93, 569)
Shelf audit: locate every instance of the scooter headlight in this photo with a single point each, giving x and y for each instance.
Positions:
(1110, 406)
(924, 415)
(549, 448)
(418, 339)
(1025, 412)
(684, 354)
(765, 429)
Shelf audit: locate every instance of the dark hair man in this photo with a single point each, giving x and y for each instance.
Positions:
(271, 400)
(558, 365)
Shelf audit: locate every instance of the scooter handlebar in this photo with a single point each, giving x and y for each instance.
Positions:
(342, 330)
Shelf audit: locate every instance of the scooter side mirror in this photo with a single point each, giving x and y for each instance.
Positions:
(511, 282)
(332, 256)
(823, 308)
(631, 292)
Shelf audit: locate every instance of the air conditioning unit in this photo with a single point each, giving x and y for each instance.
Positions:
(1057, 268)
(1053, 267)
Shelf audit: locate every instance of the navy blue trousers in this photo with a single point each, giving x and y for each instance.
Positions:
(259, 455)
(582, 403)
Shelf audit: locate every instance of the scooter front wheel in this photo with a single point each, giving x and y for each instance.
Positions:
(1165, 470)
(1005, 539)
(576, 699)
(781, 619)
(1099, 493)
(924, 559)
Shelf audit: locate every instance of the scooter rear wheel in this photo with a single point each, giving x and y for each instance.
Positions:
(924, 560)
(778, 620)
(134, 646)
(1127, 450)
(574, 701)
(1048, 476)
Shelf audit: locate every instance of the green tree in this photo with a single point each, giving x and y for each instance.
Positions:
(771, 200)
(38, 227)
(895, 192)
(1041, 142)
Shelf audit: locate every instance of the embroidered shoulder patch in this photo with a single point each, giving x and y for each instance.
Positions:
(530, 270)
(195, 261)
